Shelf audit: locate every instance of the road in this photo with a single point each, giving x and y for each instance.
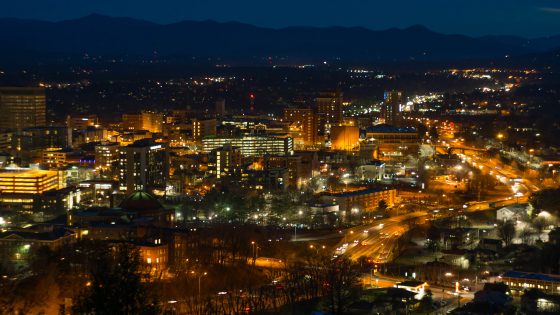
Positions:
(378, 241)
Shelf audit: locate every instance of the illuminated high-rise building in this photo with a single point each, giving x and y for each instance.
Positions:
(143, 121)
(304, 122)
(22, 107)
(226, 160)
(252, 145)
(391, 109)
(143, 165)
(329, 109)
(203, 127)
(106, 155)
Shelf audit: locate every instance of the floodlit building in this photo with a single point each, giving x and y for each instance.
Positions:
(514, 212)
(345, 138)
(150, 121)
(28, 181)
(374, 170)
(155, 254)
(393, 142)
(304, 122)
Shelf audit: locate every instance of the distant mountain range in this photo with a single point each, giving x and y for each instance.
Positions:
(98, 35)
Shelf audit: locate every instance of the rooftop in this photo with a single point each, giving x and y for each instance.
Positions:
(384, 128)
(140, 201)
(353, 193)
(531, 276)
(34, 235)
(27, 173)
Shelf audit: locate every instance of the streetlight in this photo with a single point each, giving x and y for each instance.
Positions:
(255, 247)
(199, 277)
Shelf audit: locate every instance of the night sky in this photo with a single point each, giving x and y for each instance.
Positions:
(530, 18)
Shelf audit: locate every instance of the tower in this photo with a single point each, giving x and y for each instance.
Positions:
(252, 103)
(329, 109)
(391, 108)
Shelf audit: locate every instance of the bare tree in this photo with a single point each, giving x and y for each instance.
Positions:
(506, 231)
(526, 234)
(540, 224)
(341, 280)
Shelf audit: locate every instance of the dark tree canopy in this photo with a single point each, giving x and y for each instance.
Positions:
(116, 286)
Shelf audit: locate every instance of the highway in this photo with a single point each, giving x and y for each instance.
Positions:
(378, 241)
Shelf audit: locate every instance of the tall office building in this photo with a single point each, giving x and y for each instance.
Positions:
(304, 121)
(203, 127)
(40, 138)
(329, 109)
(391, 109)
(143, 165)
(106, 155)
(227, 160)
(22, 107)
(150, 121)
(252, 145)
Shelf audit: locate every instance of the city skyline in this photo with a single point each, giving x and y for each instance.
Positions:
(207, 168)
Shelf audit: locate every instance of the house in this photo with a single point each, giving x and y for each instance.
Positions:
(514, 212)
(458, 237)
(18, 246)
(456, 257)
(490, 244)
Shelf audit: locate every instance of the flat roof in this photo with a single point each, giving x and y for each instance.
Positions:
(531, 276)
(355, 192)
(27, 173)
(384, 128)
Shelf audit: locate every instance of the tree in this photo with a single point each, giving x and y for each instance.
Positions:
(116, 285)
(341, 280)
(540, 224)
(382, 206)
(426, 303)
(546, 200)
(525, 235)
(506, 231)
(433, 246)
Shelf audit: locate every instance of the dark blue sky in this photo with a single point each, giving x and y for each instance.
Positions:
(472, 17)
